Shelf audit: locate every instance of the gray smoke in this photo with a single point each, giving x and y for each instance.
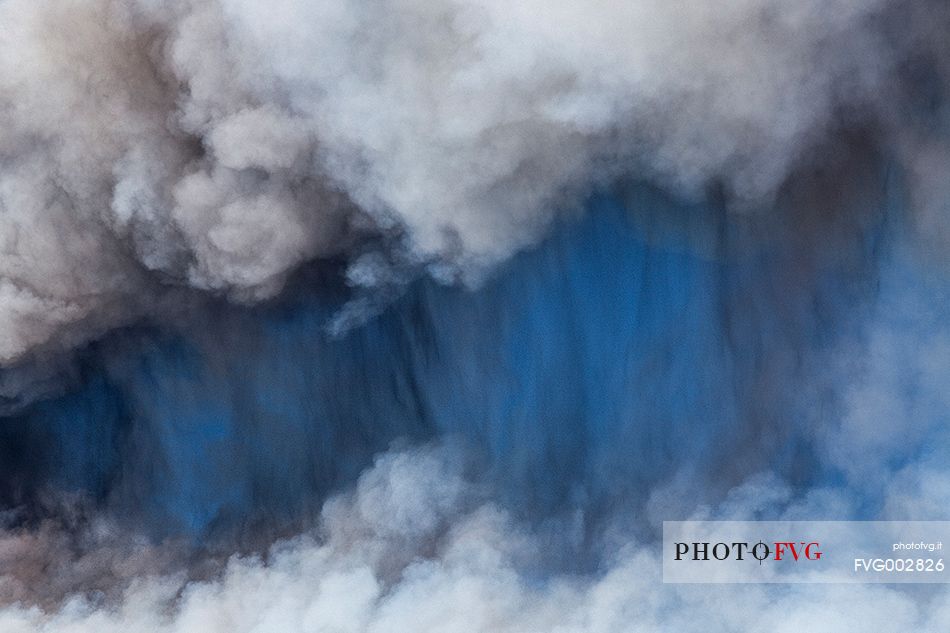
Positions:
(416, 547)
(218, 144)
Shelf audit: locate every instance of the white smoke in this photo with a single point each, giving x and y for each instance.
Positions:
(415, 547)
(220, 143)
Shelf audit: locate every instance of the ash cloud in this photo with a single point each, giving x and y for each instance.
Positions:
(416, 546)
(220, 144)
(153, 154)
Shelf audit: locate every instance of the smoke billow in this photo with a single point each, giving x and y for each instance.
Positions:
(398, 315)
(221, 144)
(416, 546)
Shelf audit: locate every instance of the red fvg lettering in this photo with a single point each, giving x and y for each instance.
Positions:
(790, 547)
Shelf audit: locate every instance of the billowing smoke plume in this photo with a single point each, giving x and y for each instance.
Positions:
(220, 144)
(417, 547)
(625, 263)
